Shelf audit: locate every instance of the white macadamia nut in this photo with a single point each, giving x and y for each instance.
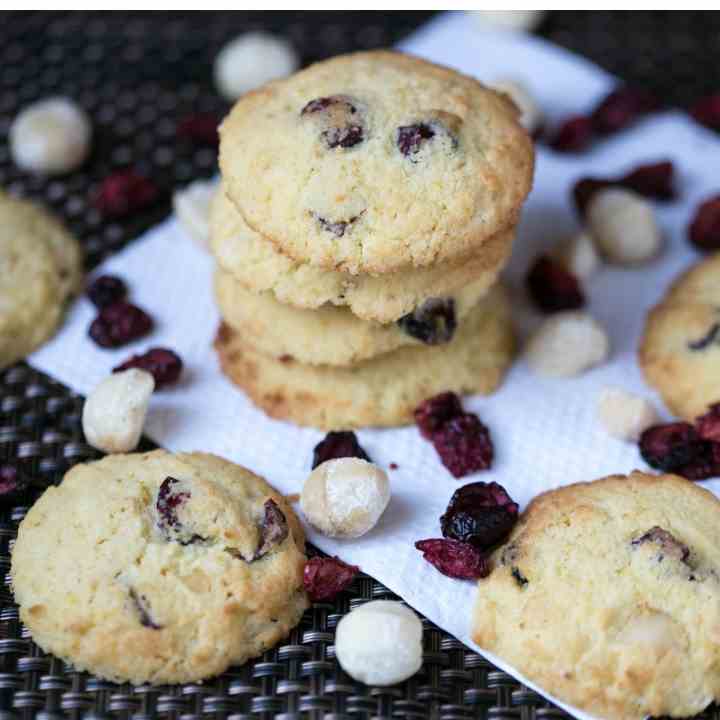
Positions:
(192, 208)
(625, 415)
(251, 60)
(50, 137)
(567, 344)
(526, 20)
(114, 412)
(345, 498)
(531, 117)
(579, 256)
(623, 226)
(379, 643)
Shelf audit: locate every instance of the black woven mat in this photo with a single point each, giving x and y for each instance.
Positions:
(138, 74)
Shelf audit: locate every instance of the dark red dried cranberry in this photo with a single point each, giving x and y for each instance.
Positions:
(411, 137)
(464, 445)
(552, 287)
(106, 290)
(12, 485)
(163, 364)
(621, 108)
(118, 324)
(654, 180)
(708, 425)
(436, 411)
(433, 322)
(667, 543)
(324, 578)
(200, 129)
(585, 189)
(705, 228)
(455, 559)
(393, 466)
(124, 192)
(273, 529)
(670, 446)
(169, 499)
(338, 444)
(482, 514)
(574, 135)
(707, 111)
(339, 120)
(705, 464)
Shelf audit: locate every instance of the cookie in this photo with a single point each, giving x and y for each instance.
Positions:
(382, 391)
(680, 349)
(607, 595)
(376, 161)
(41, 267)
(333, 335)
(159, 568)
(258, 265)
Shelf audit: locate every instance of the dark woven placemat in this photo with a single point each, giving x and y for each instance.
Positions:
(138, 74)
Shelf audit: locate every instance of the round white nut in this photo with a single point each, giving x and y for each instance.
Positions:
(345, 498)
(526, 20)
(114, 412)
(251, 60)
(567, 344)
(625, 415)
(379, 643)
(531, 116)
(578, 255)
(50, 137)
(622, 223)
(192, 208)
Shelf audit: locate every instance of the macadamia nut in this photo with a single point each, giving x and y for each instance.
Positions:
(625, 415)
(345, 497)
(114, 412)
(578, 255)
(531, 116)
(623, 226)
(50, 137)
(192, 208)
(251, 60)
(567, 344)
(526, 20)
(379, 643)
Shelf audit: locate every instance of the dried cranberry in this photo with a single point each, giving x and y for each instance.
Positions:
(666, 542)
(123, 192)
(12, 484)
(324, 578)
(585, 189)
(273, 529)
(339, 119)
(433, 322)
(552, 287)
(163, 364)
(464, 445)
(708, 425)
(454, 559)
(169, 499)
(671, 446)
(654, 180)
(704, 464)
(436, 411)
(411, 137)
(393, 466)
(118, 324)
(705, 228)
(338, 444)
(574, 135)
(201, 129)
(707, 111)
(481, 514)
(143, 611)
(337, 227)
(621, 108)
(106, 290)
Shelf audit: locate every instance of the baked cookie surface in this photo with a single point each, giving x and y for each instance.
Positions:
(333, 335)
(376, 161)
(260, 267)
(159, 568)
(41, 268)
(680, 349)
(382, 391)
(607, 594)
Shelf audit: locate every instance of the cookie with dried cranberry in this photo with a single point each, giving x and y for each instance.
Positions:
(376, 161)
(680, 349)
(159, 568)
(607, 595)
(260, 267)
(384, 390)
(41, 266)
(332, 335)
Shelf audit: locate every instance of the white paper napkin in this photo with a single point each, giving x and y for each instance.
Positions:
(545, 431)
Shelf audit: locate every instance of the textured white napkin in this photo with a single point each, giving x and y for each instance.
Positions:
(545, 431)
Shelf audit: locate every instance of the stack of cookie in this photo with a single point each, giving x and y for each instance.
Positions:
(367, 205)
